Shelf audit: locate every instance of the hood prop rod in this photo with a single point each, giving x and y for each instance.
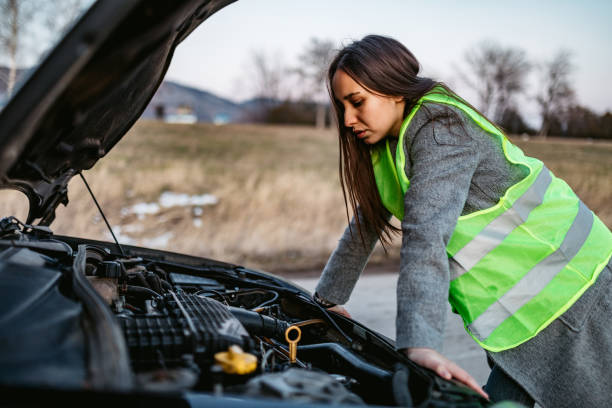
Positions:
(102, 214)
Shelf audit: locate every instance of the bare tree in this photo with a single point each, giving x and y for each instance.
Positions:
(17, 22)
(497, 75)
(14, 14)
(556, 94)
(313, 64)
(267, 80)
(58, 15)
(269, 74)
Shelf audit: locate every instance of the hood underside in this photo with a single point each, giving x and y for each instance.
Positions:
(88, 92)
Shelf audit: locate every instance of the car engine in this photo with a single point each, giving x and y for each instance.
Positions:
(87, 314)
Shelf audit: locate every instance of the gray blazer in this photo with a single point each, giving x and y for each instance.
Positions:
(454, 168)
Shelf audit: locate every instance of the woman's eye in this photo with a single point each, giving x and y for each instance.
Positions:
(357, 103)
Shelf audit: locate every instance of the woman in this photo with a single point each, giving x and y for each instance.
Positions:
(516, 253)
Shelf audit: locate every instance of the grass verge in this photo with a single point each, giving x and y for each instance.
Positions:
(280, 206)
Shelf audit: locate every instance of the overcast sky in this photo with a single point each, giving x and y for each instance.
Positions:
(215, 57)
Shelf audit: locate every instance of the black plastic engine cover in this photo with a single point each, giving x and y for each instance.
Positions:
(190, 325)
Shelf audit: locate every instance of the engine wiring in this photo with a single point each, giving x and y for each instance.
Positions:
(269, 301)
(232, 295)
(329, 319)
(279, 348)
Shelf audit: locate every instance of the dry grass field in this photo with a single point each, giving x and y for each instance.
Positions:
(278, 202)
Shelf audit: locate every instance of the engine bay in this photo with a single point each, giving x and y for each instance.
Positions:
(224, 334)
(154, 321)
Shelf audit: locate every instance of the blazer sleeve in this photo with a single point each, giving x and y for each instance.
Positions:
(441, 160)
(346, 263)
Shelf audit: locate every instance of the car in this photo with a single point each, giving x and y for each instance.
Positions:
(88, 322)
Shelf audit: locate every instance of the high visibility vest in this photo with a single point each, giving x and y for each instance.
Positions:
(518, 265)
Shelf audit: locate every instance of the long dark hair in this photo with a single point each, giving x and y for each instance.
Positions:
(383, 66)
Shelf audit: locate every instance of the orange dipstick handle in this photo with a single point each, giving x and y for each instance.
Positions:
(293, 334)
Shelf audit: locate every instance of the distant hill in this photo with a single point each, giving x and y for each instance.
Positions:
(171, 98)
(174, 102)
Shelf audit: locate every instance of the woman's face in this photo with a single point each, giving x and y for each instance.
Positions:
(369, 116)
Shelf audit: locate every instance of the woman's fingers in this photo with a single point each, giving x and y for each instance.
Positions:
(443, 372)
(340, 310)
(462, 376)
(442, 366)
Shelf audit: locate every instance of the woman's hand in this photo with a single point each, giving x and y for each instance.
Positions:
(442, 366)
(340, 310)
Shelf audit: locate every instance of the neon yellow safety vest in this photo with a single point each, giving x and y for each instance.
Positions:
(518, 265)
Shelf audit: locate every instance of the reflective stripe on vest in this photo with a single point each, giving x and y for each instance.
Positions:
(497, 230)
(518, 265)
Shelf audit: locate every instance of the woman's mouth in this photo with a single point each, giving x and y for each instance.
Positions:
(360, 134)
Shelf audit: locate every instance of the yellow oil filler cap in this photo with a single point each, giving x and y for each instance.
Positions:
(236, 361)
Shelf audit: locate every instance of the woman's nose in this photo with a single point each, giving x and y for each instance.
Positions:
(349, 118)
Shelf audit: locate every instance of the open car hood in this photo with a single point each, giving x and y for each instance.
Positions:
(88, 92)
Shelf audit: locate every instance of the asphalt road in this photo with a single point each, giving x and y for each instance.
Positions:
(373, 304)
